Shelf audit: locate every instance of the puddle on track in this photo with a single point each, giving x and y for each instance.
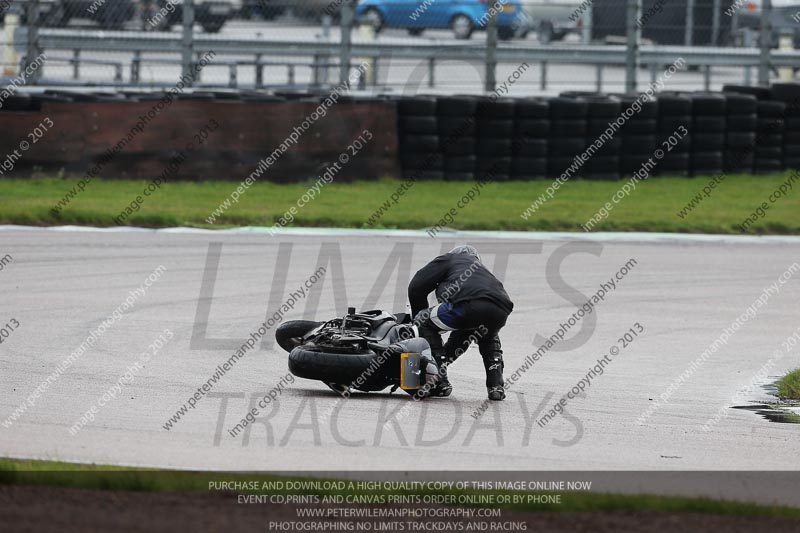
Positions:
(772, 413)
(779, 411)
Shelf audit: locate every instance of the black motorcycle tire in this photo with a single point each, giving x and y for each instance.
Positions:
(328, 367)
(289, 334)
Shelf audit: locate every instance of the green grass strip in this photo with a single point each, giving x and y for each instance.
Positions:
(652, 207)
(789, 385)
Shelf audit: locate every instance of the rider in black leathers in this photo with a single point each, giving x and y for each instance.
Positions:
(473, 306)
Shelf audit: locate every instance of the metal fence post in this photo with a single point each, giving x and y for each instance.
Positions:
(198, 76)
(33, 51)
(748, 42)
(369, 64)
(76, 64)
(786, 42)
(715, 24)
(491, 47)
(586, 25)
(136, 66)
(766, 42)
(320, 74)
(10, 25)
(688, 35)
(543, 75)
(232, 75)
(714, 41)
(345, 46)
(187, 41)
(259, 72)
(634, 34)
(599, 78)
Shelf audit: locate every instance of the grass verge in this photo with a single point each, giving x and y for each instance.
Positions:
(97, 477)
(789, 385)
(653, 206)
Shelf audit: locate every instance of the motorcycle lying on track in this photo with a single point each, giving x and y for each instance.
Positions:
(367, 351)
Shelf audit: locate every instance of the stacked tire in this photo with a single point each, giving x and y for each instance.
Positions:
(457, 127)
(769, 136)
(789, 93)
(495, 123)
(459, 138)
(674, 113)
(18, 102)
(568, 129)
(708, 133)
(761, 93)
(740, 134)
(419, 139)
(638, 134)
(604, 164)
(529, 147)
(770, 126)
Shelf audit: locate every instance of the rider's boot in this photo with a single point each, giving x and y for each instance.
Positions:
(443, 387)
(492, 355)
(430, 332)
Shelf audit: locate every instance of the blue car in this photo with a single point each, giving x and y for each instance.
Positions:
(462, 16)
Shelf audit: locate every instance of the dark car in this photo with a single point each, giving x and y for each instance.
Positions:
(109, 14)
(266, 9)
(211, 15)
(662, 21)
(304, 9)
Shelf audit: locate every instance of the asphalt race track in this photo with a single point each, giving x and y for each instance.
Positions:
(62, 284)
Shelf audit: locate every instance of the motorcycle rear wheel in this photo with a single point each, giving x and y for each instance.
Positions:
(289, 334)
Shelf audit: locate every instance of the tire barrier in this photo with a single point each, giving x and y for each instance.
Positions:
(741, 129)
(674, 113)
(770, 129)
(458, 130)
(530, 141)
(456, 138)
(564, 145)
(709, 113)
(639, 136)
(789, 94)
(741, 116)
(420, 156)
(494, 139)
(605, 163)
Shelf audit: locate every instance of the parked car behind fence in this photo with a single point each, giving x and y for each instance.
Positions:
(211, 15)
(108, 14)
(464, 17)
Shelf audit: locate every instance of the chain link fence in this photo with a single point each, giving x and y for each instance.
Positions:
(408, 46)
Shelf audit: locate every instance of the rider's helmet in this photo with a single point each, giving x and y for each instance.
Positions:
(466, 249)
